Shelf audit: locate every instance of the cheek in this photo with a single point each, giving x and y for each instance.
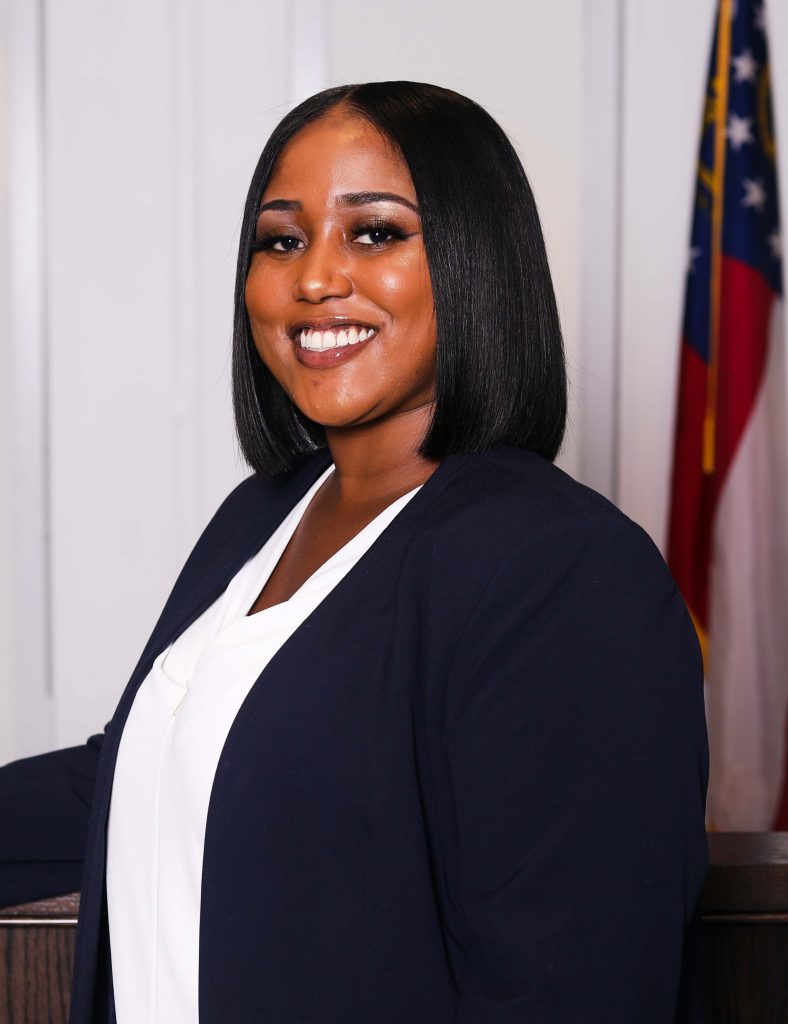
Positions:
(403, 284)
(255, 303)
(405, 290)
(263, 294)
(261, 308)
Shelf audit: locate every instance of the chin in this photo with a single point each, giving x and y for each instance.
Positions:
(335, 418)
(327, 410)
(334, 422)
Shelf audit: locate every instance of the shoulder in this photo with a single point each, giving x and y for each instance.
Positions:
(546, 579)
(515, 487)
(509, 537)
(243, 501)
(501, 505)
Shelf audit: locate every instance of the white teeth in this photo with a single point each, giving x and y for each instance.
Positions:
(316, 341)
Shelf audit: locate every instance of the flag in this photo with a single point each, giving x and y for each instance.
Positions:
(728, 527)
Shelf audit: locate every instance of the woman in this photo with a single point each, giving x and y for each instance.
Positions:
(419, 735)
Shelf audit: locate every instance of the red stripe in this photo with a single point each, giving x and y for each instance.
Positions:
(746, 301)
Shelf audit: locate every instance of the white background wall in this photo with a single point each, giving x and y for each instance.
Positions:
(147, 119)
(7, 702)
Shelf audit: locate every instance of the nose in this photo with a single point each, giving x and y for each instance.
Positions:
(321, 273)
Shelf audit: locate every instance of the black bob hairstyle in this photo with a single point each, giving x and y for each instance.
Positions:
(501, 373)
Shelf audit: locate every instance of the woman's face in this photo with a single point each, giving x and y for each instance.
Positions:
(335, 256)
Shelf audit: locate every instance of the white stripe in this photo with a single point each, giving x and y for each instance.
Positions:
(748, 658)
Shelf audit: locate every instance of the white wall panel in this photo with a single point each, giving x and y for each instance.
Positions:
(597, 378)
(111, 251)
(240, 87)
(7, 625)
(666, 54)
(25, 539)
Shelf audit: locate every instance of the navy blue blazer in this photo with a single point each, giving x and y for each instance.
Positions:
(469, 788)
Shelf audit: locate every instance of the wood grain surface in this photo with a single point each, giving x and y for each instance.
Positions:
(36, 958)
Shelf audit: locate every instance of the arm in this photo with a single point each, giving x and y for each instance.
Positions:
(45, 801)
(576, 739)
(44, 809)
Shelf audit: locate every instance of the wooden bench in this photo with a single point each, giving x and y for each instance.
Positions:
(744, 905)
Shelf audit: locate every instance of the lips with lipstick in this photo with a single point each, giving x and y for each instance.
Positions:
(319, 335)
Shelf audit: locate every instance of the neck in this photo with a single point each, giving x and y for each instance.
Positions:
(376, 461)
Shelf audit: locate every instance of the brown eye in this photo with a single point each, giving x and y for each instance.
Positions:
(271, 242)
(376, 232)
(374, 229)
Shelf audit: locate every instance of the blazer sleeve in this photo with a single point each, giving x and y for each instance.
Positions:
(45, 801)
(577, 749)
(44, 809)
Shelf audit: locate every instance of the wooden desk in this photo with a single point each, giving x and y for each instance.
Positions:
(36, 957)
(745, 928)
(745, 923)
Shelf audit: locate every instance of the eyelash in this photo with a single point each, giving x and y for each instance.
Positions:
(266, 243)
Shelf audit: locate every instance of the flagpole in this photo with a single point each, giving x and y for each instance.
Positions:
(718, 202)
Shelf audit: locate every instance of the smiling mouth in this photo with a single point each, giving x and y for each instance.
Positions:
(333, 337)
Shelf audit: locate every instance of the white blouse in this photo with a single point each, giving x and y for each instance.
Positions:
(166, 763)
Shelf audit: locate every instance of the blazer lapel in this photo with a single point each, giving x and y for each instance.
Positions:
(211, 567)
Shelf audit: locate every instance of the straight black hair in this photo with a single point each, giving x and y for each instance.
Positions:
(501, 371)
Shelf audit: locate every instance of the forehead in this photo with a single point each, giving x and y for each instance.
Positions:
(340, 152)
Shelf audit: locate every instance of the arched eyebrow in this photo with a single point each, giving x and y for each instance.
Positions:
(348, 199)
